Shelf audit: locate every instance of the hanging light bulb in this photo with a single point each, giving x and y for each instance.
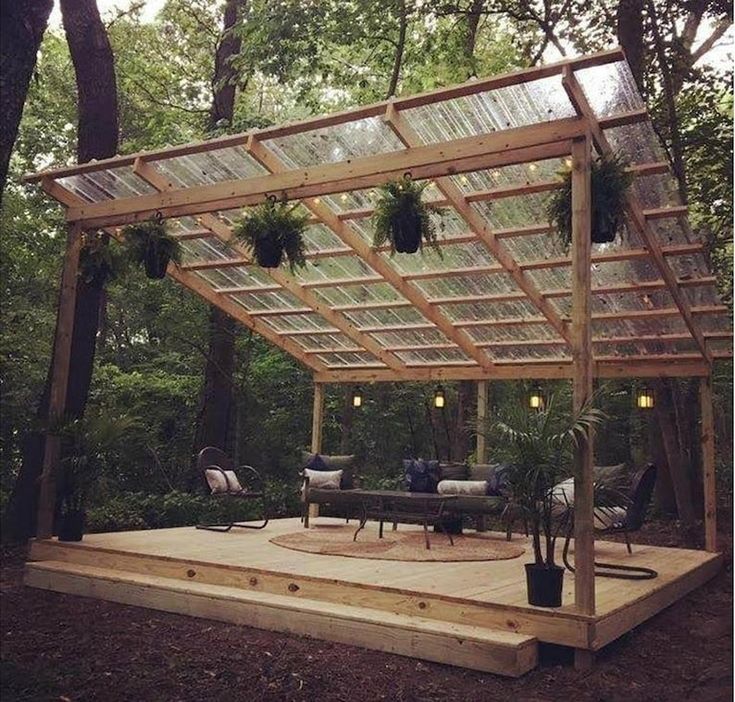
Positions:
(536, 398)
(357, 397)
(439, 397)
(644, 399)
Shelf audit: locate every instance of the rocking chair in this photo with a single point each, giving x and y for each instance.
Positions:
(223, 482)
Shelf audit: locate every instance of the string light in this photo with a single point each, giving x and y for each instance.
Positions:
(536, 398)
(439, 397)
(357, 397)
(645, 399)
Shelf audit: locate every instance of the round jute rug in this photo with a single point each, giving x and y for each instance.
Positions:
(406, 545)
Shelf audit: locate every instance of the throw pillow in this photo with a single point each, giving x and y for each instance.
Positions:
(453, 471)
(323, 479)
(605, 517)
(222, 481)
(344, 463)
(462, 487)
(420, 475)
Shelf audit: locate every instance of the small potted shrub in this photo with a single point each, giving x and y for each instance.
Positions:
(89, 443)
(538, 446)
(609, 183)
(271, 230)
(150, 245)
(402, 218)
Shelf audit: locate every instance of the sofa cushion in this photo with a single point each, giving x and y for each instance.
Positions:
(324, 479)
(222, 481)
(420, 475)
(462, 487)
(317, 461)
(605, 517)
(453, 471)
(614, 475)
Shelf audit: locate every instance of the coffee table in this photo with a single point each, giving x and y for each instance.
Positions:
(394, 506)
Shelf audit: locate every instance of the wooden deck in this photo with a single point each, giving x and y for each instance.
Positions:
(473, 614)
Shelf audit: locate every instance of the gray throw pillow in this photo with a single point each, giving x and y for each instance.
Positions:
(344, 463)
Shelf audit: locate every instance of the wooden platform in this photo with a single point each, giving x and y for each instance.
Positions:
(468, 614)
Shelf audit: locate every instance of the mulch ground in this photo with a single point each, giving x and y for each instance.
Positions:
(61, 647)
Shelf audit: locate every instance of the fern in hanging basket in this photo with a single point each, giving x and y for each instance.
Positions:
(150, 245)
(402, 218)
(609, 184)
(271, 230)
(99, 261)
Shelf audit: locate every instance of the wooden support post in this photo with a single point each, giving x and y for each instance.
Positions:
(584, 546)
(707, 437)
(59, 383)
(317, 424)
(481, 421)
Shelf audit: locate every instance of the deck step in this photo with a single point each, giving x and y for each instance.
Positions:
(488, 650)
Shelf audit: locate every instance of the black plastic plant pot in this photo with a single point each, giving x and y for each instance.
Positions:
(407, 232)
(268, 253)
(71, 526)
(604, 232)
(544, 585)
(156, 262)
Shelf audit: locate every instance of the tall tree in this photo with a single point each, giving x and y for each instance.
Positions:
(21, 31)
(214, 425)
(97, 138)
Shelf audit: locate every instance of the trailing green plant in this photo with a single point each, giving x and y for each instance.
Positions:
(150, 245)
(271, 229)
(402, 218)
(610, 181)
(99, 262)
(538, 446)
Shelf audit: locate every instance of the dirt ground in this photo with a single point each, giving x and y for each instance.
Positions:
(66, 648)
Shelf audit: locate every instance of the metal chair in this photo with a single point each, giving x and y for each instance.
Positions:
(212, 458)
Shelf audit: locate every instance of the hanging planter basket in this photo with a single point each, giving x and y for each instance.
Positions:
(402, 218)
(271, 230)
(610, 182)
(151, 246)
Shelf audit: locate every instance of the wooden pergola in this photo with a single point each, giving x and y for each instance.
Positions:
(503, 301)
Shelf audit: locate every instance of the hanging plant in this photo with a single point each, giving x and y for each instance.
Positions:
(150, 245)
(271, 229)
(402, 218)
(98, 261)
(609, 183)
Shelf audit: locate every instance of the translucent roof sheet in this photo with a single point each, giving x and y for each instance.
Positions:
(470, 304)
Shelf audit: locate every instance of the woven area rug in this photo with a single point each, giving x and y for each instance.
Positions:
(406, 545)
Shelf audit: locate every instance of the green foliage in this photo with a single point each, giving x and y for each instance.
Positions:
(271, 229)
(538, 446)
(401, 212)
(609, 184)
(151, 238)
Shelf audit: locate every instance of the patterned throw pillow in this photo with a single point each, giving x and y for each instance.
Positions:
(222, 481)
(462, 487)
(324, 479)
(421, 475)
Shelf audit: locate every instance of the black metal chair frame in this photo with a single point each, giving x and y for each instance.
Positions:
(243, 495)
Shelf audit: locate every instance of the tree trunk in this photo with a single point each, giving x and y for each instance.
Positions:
(346, 424)
(21, 31)
(98, 137)
(472, 19)
(630, 36)
(400, 47)
(213, 421)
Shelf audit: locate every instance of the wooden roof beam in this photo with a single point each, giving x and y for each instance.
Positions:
(224, 233)
(635, 213)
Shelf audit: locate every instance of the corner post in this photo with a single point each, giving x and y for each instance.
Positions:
(707, 439)
(317, 422)
(584, 544)
(482, 386)
(59, 382)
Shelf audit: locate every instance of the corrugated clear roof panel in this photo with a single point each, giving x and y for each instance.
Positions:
(552, 278)
(280, 300)
(297, 322)
(624, 272)
(207, 249)
(714, 322)
(721, 345)
(235, 277)
(359, 294)
(472, 255)
(529, 353)
(520, 332)
(318, 237)
(341, 142)
(689, 266)
(620, 302)
(324, 341)
(671, 231)
(644, 326)
(650, 348)
(334, 268)
(636, 143)
(489, 310)
(410, 337)
(434, 356)
(346, 359)
(503, 108)
(610, 88)
(383, 318)
(457, 286)
(509, 176)
(511, 212)
(219, 165)
(701, 295)
(535, 247)
(656, 191)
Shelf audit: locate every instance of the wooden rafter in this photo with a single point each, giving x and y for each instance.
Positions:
(377, 262)
(224, 233)
(636, 217)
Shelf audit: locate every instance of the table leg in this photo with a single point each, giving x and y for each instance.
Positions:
(380, 530)
(363, 521)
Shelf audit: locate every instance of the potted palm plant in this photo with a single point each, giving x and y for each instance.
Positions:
(402, 218)
(89, 442)
(610, 181)
(271, 230)
(538, 446)
(150, 245)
